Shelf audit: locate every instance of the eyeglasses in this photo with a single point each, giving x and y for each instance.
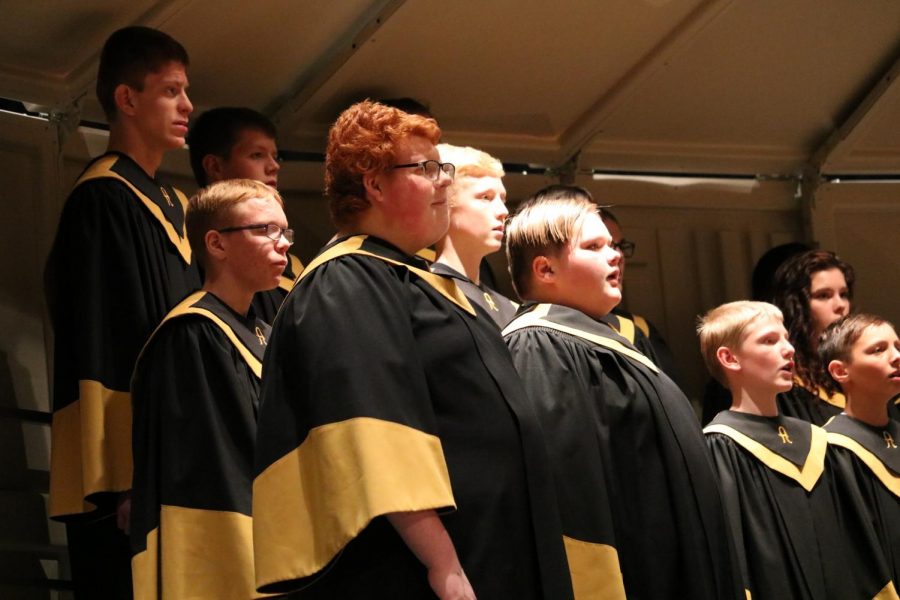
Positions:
(431, 168)
(273, 232)
(625, 247)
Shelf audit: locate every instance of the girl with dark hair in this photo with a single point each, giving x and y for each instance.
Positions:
(813, 290)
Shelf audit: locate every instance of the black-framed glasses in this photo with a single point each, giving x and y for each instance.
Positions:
(431, 168)
(625, 247)
(273, 232)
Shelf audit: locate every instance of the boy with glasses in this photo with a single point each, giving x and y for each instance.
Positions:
(236, 142)
(120, 261)
(196, 394)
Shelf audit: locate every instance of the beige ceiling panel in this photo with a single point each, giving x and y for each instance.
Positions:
(49, 49)
(757, 90)
(507, 75)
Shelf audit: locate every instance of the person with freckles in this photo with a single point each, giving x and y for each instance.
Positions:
(639, 501)
(120, 261)
(478, 213)
(862, 355)
(789, 537)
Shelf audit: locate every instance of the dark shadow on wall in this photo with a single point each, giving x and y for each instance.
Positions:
(24, 530)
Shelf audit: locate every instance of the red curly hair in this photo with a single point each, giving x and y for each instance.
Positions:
(364, 140)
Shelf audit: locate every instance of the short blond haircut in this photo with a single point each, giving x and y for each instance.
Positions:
(543, 226)
(211, 206)
(469, 162)
(726, 325)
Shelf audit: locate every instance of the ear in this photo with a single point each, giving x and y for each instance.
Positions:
(839, 371)
(125, 99)
(212, 166)
(372, 185)
(215, 245)
(727, 359)
(542, 270)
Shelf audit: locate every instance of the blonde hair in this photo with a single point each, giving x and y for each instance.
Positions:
(210, 207)
(726, 325)
(543, 225)
(469, 162)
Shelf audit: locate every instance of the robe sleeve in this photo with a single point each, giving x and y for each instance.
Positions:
(346, 427)
(102, 315)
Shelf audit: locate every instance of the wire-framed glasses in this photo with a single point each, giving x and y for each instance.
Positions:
(431, 168)
(273, 231)
(625, 247)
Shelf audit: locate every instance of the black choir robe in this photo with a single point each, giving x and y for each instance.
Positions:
(669, 524)
(500, 308)
(120, 261)
(790, 537)
(864, 462)
(383, 392)
(195, 393)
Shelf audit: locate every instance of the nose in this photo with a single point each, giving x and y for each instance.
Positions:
(841, 306)
(787, 350)
(501, 211)
(282, 245)
(185, 106)
(274, 166)
(895, 355)
(614, 256)
(443, 179)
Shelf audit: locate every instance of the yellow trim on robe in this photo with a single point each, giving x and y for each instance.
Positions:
(102, 170)
(595, 570)
(184, 308)
(642, 324)
(888, 592)
(807, 476)
(311, 502)
(286, 283)
(536, 318)
(91, 448)
(626, 327)
(888, 479)
(196, 554)
(353, 245)
(837, 399)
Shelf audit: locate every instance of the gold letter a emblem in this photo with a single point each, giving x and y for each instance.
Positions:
(783, 434)
(490, 301)
(888, 440)
(260, 336)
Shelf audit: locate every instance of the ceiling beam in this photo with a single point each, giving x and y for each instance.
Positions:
(283, 112)
(841, 142)
(591, 123)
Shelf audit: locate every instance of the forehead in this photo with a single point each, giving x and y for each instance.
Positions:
(478, 185)
(874, 334)
(614, 230)
(592, 227)
(251, 136)
(828, 278)
(763, 324)
(415, 148)
(262, 209)
(170, 71)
